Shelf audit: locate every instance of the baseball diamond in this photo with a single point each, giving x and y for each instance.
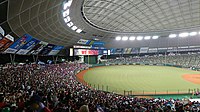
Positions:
(142, 78)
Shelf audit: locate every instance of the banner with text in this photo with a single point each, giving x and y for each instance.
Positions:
(30, 45)
(47, 49)
(78, 52)
(2, 31)
(153, 50)
(38, 48)
(5, 42)
(56, 50)
(144, 49)
(18, 44)
(83, 42)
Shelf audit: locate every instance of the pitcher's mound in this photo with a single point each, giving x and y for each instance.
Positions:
(194, 78)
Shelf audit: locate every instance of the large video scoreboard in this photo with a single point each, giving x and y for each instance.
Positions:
(87, 50)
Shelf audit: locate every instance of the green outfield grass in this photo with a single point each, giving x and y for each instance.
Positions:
(140, 78)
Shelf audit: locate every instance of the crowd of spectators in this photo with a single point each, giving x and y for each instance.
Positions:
(185, 60)
(54, 88)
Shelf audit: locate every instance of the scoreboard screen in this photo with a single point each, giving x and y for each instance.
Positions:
(82, 52)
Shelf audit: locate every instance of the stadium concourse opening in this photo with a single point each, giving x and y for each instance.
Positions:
(99, 56)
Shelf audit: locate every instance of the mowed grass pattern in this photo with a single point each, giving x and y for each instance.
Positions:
(140, 78)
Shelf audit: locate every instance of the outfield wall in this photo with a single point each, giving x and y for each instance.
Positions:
(171, 65)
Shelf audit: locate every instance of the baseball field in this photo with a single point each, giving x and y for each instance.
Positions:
(141, 79)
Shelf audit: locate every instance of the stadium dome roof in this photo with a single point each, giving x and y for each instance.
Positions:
(102, 19)
(142, 15)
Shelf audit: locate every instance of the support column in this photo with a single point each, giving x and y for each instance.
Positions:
(12, 58)
(56, 59)
(34, 59)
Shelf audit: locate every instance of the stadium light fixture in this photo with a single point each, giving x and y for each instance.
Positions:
(139, 37)
(65, 6)
(66, 13)
(118, 38)
(125, 38)
(185, 34)
(193, 33)
(147, 37)
(70, 24)
(155, 37)
(68, 4)
(74, 27)
(78, 30)
(67, 19)
(131, 38)
(172, 36)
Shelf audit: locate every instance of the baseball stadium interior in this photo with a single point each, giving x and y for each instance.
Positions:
(99, 55)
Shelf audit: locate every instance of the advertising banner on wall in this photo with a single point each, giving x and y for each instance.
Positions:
(183, 48)
(30, 45)
(18, 44)
(83, 42)
(47, 49)
(5, 42)
(10, 37)
(1, 36)
(153, 50)
(56, 50)
(103, 52)
(172, 49)
(193, 48)
(91, 42)
(127, 50)
(38, 48)
(2, 32)
(135, 50)
(82, 47)
(98, 44)
(79, 52)
(162, 50)
(112, 51)
(119, 51)
(144, 49)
